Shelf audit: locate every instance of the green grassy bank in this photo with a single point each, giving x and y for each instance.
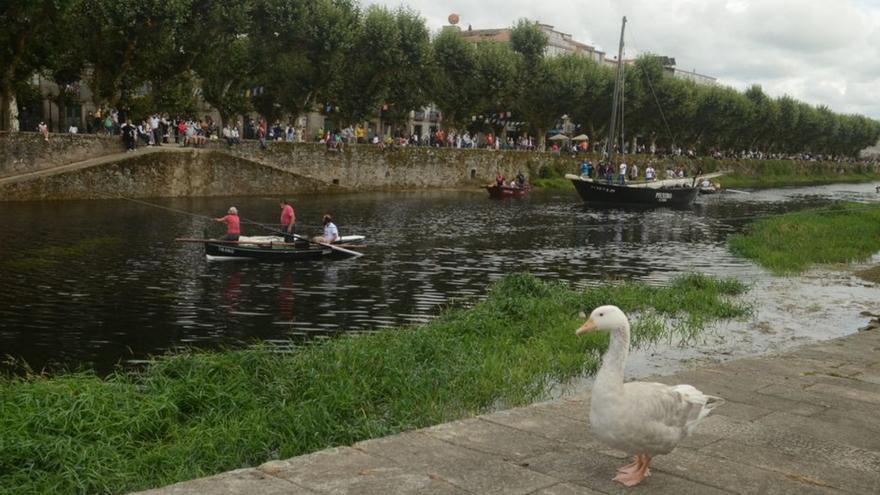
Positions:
(767, 181)
(197, 413)
(791, 243)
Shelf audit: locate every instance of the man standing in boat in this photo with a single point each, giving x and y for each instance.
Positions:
(288, 220)
(622, 175)
(331, 233)
(233, 224)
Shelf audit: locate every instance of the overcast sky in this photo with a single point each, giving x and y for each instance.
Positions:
(818, 51)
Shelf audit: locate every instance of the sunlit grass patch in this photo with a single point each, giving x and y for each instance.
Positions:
(196, 413)
(791, 243)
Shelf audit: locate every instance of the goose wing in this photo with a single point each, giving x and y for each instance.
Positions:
(663, 415)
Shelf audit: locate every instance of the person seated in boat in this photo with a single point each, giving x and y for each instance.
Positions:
(705, 184)
(499, 180)
(521, 180)
(670, 174)
(233, 228)
(622, 175)
(513, 184)
(331, 233)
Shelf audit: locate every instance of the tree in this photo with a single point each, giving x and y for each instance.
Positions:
(299, 49)
(527, 39)
(370, 66)
(409, 91)
(495, 77)
(453, 82)
(25, 27)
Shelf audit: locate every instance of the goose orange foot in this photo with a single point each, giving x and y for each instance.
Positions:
(633, 476)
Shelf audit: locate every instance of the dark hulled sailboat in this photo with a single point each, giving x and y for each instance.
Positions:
(672, 192)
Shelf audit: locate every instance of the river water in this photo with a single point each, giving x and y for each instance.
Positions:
(94, 284)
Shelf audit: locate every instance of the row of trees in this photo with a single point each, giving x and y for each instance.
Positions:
(288, 57)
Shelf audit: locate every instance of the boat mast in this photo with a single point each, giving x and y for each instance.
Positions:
(612, 136)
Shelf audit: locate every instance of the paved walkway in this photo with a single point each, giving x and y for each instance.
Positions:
(803, 422)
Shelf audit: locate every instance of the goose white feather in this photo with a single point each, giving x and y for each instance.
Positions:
(641, 418)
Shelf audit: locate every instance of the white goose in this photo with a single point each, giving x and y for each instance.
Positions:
(642, 419)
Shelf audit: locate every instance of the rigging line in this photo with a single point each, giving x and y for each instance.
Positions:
(654, 94)
(196, 215)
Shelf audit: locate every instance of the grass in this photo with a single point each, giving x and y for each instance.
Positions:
(197, 413)
(554, 183)
(767, 181)
(791, 243)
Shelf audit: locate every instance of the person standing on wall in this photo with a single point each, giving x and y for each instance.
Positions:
(288, 220)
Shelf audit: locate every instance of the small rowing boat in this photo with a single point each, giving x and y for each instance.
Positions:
(496, 191)
(273, 248)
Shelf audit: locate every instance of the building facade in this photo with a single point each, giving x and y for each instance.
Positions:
(558, 43)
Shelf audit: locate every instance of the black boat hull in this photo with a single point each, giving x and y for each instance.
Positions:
(266, 253)
(602, 192)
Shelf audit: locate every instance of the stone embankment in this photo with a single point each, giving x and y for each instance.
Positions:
(43, 170)
(803, 422)
(92, 167)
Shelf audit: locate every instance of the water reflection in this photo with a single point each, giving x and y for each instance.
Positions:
(148, 294)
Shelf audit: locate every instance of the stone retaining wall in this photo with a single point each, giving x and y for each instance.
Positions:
(368, 167)
(22, 152)
(297, 167)
(195, 173)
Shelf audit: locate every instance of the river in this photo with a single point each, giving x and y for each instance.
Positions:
(95, 284)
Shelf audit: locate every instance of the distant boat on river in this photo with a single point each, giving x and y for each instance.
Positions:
(669, 192)
(496, 191)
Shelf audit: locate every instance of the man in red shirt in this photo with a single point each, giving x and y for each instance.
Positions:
(288, 220)
(233, 229)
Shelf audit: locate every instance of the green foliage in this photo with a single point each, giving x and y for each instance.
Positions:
(454, 88)
(791, 243)
(196, 413)
(303, 55)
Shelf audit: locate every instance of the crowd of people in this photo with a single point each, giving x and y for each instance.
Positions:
(624, 172)
(158, 129)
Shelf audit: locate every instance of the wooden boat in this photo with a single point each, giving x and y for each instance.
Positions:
(496, 191)
(271, 248)
(670, 192)
(601, 192)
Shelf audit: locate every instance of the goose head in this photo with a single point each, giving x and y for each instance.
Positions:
(605, 319)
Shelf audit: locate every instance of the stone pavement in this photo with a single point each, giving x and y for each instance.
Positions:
(802, 422)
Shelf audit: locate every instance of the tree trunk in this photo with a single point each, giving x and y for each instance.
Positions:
(5, 111)
(62, 115)
(542, 140)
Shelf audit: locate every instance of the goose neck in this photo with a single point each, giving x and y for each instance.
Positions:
(610, 375)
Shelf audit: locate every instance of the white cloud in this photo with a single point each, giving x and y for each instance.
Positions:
(822, 52)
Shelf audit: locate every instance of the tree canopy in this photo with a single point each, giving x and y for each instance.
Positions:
(288, 57)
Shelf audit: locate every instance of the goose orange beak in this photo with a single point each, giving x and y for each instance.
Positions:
(589, 326)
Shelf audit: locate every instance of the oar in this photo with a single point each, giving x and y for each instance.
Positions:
(331, 246)
(737, 191)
